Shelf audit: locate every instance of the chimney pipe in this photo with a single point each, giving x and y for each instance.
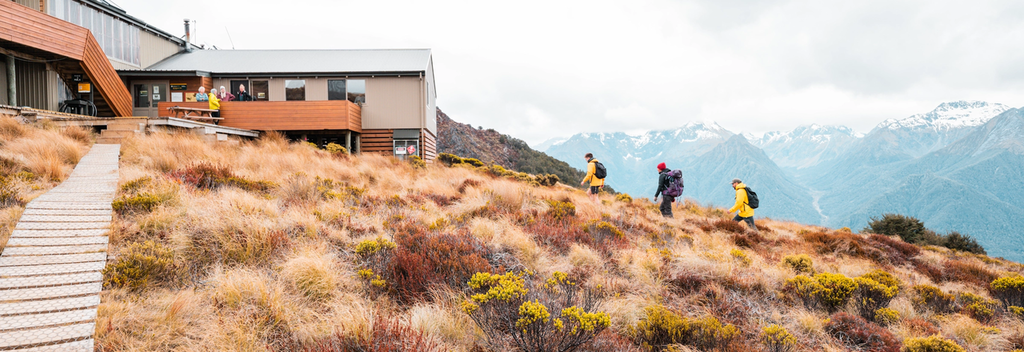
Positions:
(188, 35)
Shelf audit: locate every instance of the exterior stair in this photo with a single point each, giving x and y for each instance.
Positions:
(120, 129)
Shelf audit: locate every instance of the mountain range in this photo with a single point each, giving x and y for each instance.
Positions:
(959, 167)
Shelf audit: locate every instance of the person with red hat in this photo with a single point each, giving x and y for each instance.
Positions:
(666, 201)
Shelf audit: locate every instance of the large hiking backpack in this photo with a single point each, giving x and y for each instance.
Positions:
(751, 198)
(675, 184)
(599, 170)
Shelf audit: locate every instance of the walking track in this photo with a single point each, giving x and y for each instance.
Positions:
(50, 271)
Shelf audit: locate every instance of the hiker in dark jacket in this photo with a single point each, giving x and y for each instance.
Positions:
(666, 201)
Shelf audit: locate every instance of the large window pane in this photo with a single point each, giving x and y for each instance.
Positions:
(336, 89)
(76, 12)
(97, 27)
(260, 90)
(141, 96)
(295, 89)
(356, 90)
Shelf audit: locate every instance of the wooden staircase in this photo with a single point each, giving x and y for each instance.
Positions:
(119, 129)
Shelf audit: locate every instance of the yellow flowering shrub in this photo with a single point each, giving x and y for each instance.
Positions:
(740, 257)
(777, 339)
(138, 265)
(1009, 289)
(886, 316)
(800, 263)
(826, 290)
(931, 297)
(662, 327)
(931, 344)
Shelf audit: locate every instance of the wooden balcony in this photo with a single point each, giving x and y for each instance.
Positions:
(72, 49)
(283, 115)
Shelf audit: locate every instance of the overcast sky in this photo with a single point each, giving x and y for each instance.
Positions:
(543, 69)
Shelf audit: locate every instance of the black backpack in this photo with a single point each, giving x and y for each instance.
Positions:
(599, 170)
(751, 198)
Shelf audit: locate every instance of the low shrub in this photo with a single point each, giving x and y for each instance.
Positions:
(561, 210)
(138, 265)
(800, 263)
(826, 290)
(660, 328)
(423, 260)
(740, 256)
(1009, 290)
(874, 291)
(968, 272)
(980, 308)
(1016, 312)
(931, 344)
(861, 334)
(375, 260)
(776, 339)
(138, 203)
(312, 274)
(623, 197)
(728, 225)
(894, 250)
(752, 240)
(417, 162)
(604, 234)
(931, 271)
(919, 327)
(931, 297)
(886, 316)
(205, 175)
(335, 148)
(515, 310)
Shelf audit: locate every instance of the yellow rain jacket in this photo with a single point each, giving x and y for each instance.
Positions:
(591, 168)
(214, 102)
(741, 202)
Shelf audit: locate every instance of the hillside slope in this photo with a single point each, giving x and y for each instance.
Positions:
(278, 246)
(492, 147)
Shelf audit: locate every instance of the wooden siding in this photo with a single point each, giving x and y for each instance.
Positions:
(393, 102)
(428, 145)
(43, 33)
(283, 115)
(377, 141)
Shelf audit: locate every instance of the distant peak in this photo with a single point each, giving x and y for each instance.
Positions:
(962, 104)
(949, 115)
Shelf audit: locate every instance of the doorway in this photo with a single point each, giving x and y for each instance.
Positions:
(146, 96)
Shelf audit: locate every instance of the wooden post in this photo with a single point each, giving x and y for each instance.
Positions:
(348, 141)
(12, 95)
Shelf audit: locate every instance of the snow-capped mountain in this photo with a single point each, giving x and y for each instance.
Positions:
(921, 134)
(806, 146)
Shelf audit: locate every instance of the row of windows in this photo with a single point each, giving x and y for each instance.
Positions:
(353, 90)
(119, 39)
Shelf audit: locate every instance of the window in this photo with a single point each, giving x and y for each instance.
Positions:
(356, 89)
(233, 87)
(260, 90)
(336, 89)
(295, 89)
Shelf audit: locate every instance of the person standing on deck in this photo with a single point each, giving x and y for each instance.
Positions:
(201, 96)
(214, 103)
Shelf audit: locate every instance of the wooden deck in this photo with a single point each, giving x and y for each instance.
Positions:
(283, 115)
(36, 34)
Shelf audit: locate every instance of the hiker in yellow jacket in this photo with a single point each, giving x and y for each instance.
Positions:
(595, 183)
(746, 213)
(214, 103)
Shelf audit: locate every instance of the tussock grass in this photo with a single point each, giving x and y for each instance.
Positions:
(263, 271)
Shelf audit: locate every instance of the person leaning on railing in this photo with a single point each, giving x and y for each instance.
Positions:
(214, 103)
(242, 95)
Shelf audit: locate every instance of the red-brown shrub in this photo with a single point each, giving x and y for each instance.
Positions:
(968, 272)
(928, 270)
(609, 341)
(559, 235)
(728, 225)
(423, 260)
(861, 334)
(204, 175)
(749, 240)
(918, 327)
(689, 281)
(908, 250)
(442, 201)
(467, 184)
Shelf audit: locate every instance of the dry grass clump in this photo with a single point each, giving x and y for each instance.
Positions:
(279, 246)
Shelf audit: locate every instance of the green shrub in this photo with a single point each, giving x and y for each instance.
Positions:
(960, 242)
(138, 203)
(1009, 289)
(138, 265)
(826, 290)
(776, 339)
(931, 297)
(930, 344)
(136, 185)
(335, 148)
(886, 316)
(661, 328)
(449, 159)
(514, 310)
(909, 228)
(800, 263)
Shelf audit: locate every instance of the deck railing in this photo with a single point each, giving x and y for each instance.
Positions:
(283, 115)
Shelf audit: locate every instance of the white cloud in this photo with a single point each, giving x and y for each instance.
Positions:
(540, 69)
